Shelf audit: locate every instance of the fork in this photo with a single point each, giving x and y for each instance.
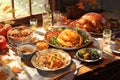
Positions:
(72, 68)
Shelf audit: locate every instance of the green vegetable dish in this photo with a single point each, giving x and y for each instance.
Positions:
(67, 38)
(89, 54)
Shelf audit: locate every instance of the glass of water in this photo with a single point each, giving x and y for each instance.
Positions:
(57, 18)
(33, 24)
(107, 36)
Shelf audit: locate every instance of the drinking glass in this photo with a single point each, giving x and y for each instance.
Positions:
(107, 36)
(47, 21)
(56, 18)
(33, 24)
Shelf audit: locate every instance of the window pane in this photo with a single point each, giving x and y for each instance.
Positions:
(5, 10)
(21, 8)
(38, 6)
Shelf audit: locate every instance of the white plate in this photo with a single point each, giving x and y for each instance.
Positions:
(90, 60)
(115, 48)
(42, 55)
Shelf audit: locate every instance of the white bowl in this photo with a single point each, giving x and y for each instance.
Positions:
(96, 56)
(26, 51)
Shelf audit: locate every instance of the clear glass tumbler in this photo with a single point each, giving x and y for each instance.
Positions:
(33, 24)
(57, 18)
(107, 36)
(47, 21)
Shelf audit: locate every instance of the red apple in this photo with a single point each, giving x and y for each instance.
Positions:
(3, 43)
(4, 29)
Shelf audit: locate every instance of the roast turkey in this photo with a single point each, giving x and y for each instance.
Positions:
(92, 22)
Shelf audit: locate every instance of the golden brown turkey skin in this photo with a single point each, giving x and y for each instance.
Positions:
(92, 22)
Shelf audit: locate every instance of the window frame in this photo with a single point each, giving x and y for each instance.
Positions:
(25, 19)
(30, 8)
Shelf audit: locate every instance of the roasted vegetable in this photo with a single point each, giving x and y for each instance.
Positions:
(88, 54)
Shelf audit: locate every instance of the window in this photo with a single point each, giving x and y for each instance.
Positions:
(5, 8)
(13, 9)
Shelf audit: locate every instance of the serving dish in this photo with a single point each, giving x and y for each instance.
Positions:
(115, 48)
(114, 33)
(67, 38)
(89, 54)
(51, 59)
(19, 34)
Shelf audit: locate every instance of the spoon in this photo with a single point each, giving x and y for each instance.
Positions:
(18, 49)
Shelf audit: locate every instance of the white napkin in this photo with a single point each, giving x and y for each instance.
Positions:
(30, 73)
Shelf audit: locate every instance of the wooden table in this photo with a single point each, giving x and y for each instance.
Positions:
(88, 67)
(96, 67)
(90, 70)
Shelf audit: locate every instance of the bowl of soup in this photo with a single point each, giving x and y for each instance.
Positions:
(26, 51)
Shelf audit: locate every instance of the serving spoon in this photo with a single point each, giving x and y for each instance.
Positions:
(18, 49)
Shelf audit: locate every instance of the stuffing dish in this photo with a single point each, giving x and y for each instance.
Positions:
(51, 59)
(67, 38)
(19, 34)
